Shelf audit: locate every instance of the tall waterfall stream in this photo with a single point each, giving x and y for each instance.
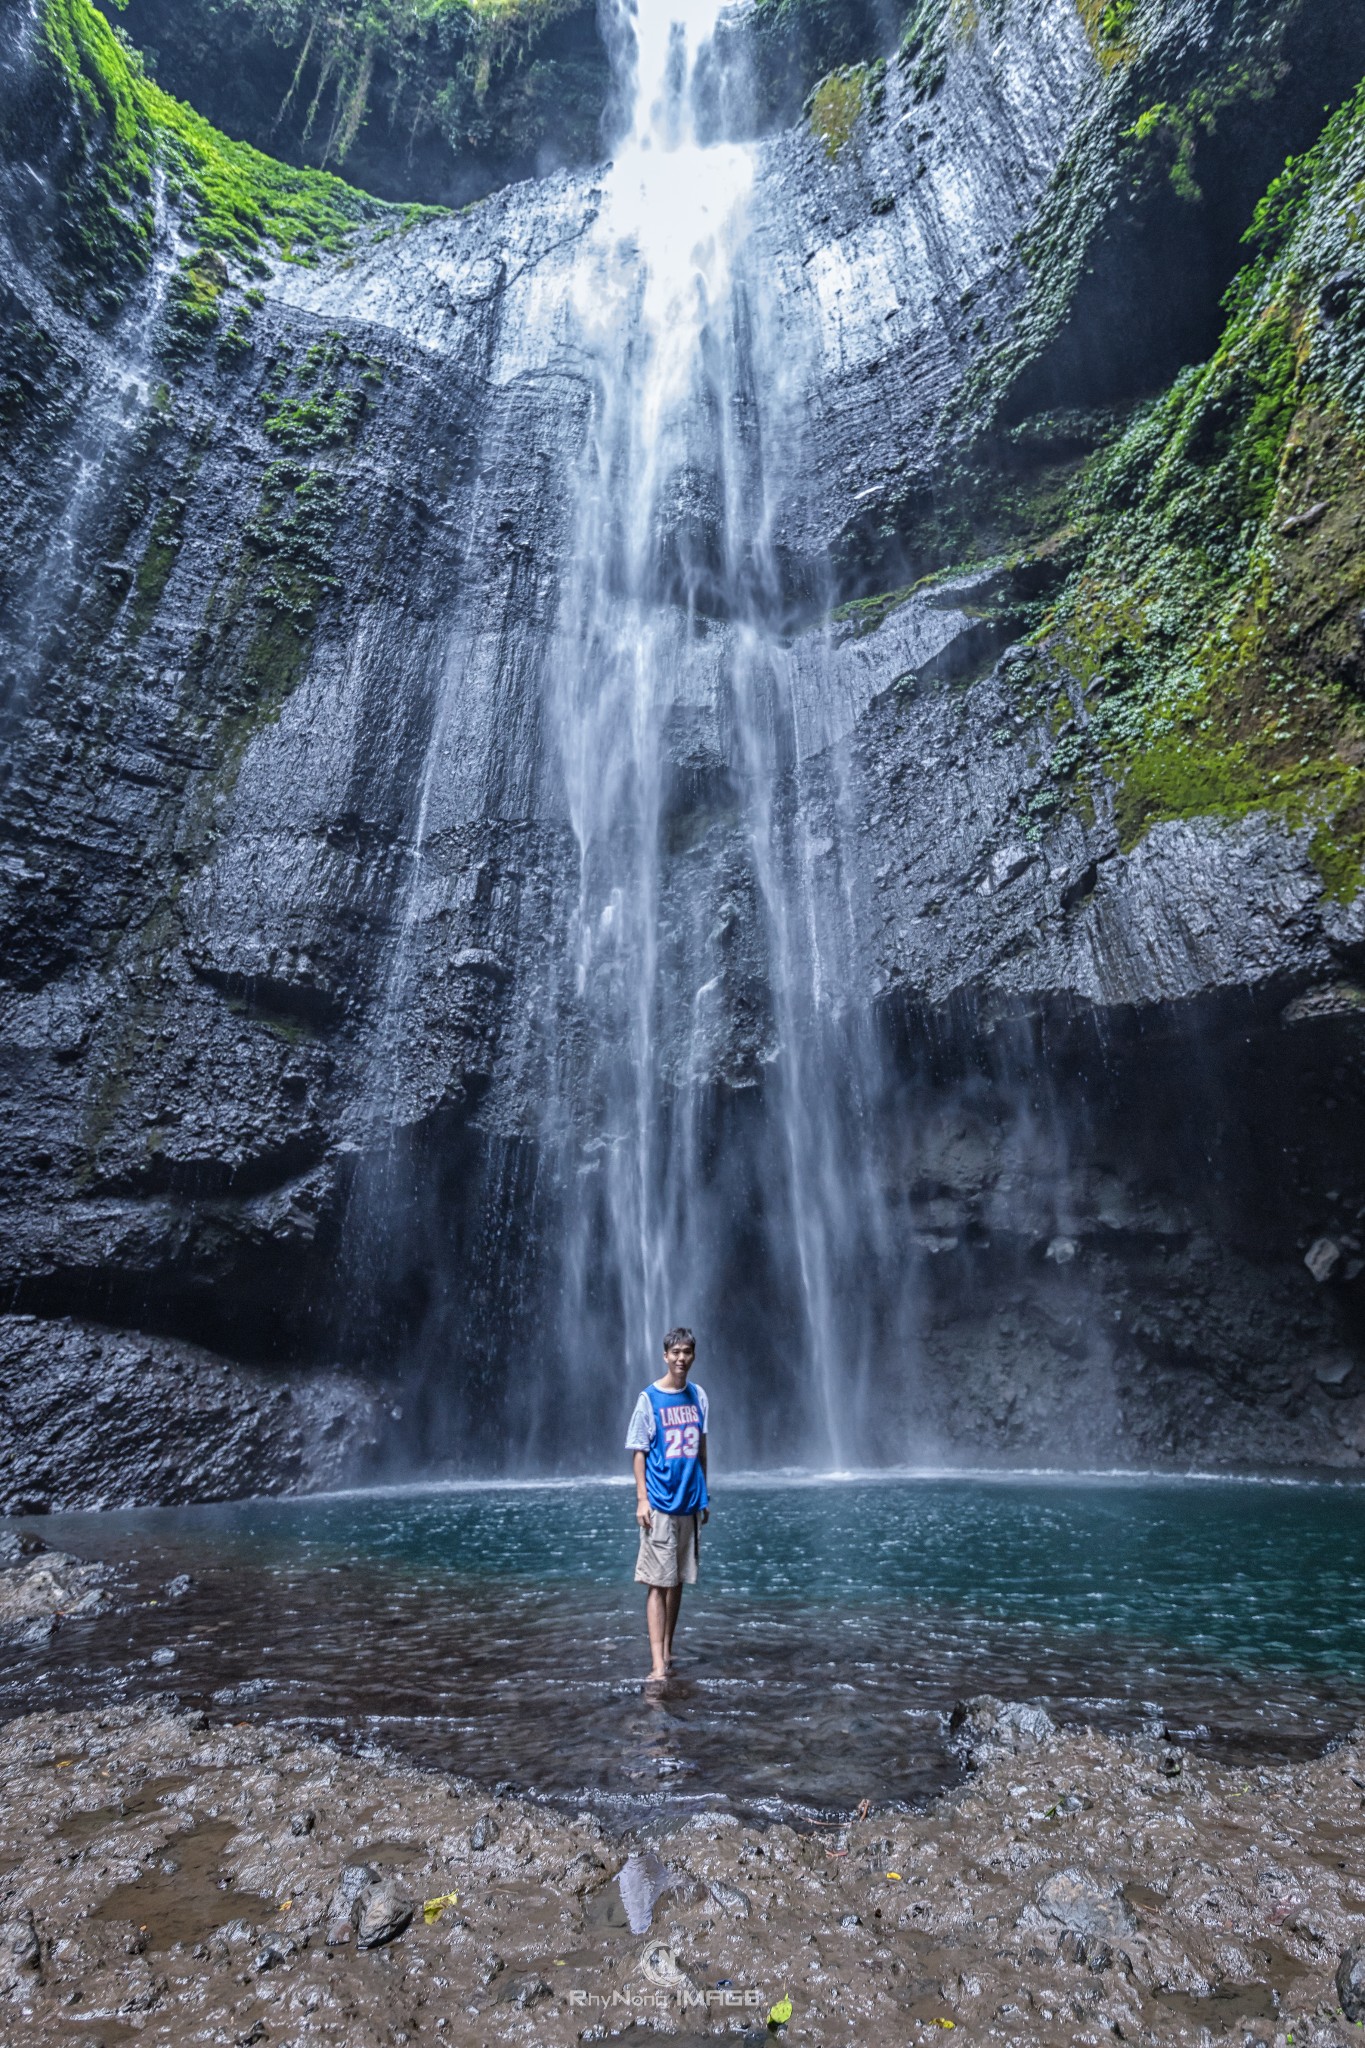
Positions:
(704, 1092)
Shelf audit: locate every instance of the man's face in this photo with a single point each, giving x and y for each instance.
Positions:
(678, 1363)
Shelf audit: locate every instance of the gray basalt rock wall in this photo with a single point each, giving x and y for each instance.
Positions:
(260, 1061)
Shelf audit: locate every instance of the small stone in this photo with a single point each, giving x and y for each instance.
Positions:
(355, 1880)
(19, 1943)
(300, 1823)
(1300, 522)
(1062, 1250)
(851, 1920)
(1333, 1373)
(583, 1873)
(1351, 1984)
(1085, 1904)
(991, 1724)
(1089, 1950)
(1322, 1258)
(163, 1656)
(382, 1914)
(1008, 865)
(524, 1991)
(642, 1882)
(729, 1898)
(485, 1832)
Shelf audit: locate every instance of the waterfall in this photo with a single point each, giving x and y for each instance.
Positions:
(708, 1102)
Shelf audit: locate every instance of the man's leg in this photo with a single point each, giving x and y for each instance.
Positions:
(656, 1616)
(672, 1602)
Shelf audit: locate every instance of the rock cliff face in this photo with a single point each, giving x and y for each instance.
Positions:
(285, 862)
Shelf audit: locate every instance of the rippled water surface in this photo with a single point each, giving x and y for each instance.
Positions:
(496, 1630)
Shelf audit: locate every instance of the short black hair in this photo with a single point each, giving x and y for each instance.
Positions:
(679, 1336)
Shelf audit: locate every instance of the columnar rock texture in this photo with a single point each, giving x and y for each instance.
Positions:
(285, 862)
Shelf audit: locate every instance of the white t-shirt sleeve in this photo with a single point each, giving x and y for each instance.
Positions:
(640, 1435)
(702, 1403)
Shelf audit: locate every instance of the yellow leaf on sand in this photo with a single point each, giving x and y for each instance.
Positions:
(779, 2014)
(433, 1908)
(895, 1877)
(949, 2024)
(285, 1904)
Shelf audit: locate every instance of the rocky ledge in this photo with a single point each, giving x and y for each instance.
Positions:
(95, 1418)
(171, 1880)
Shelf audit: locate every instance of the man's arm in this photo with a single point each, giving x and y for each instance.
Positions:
(642, 1508)
(706, 1512)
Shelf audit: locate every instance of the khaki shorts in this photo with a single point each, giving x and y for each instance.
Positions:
(668, 1550)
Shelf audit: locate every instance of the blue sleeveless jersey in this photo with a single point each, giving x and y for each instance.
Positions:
(674, 1479)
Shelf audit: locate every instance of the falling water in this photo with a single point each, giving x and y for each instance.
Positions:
(709, 1100)
(113, 418)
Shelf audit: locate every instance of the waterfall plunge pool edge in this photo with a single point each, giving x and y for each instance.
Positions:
(492, 1630)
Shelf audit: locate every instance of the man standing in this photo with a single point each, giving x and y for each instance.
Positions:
(667, 1436)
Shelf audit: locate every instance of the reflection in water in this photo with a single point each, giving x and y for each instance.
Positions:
(495, 1631)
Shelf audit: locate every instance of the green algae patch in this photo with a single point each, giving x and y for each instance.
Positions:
(1112, 27)
(158, 560)
(834, 108)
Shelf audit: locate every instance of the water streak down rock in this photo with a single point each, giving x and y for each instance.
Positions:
(467, 896)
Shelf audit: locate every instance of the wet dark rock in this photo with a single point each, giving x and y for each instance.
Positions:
(20, 1947)
(1085, 1905)
(988, 1726)
(40, 1586)
(484, 1832)
(1350, 1982)
(524, 1991)
(730, 1899)
(381, 1914)
(356, 1880)
(1091, 1951)
(584, 1873)
(301, 1824)
(101, 1418)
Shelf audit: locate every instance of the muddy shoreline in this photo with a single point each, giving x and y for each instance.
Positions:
(165, 1880)
(168, 1876)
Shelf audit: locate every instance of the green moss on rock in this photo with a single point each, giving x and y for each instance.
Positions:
(124, 129)
(1216, 626)
(410, 97)
(838, 102)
